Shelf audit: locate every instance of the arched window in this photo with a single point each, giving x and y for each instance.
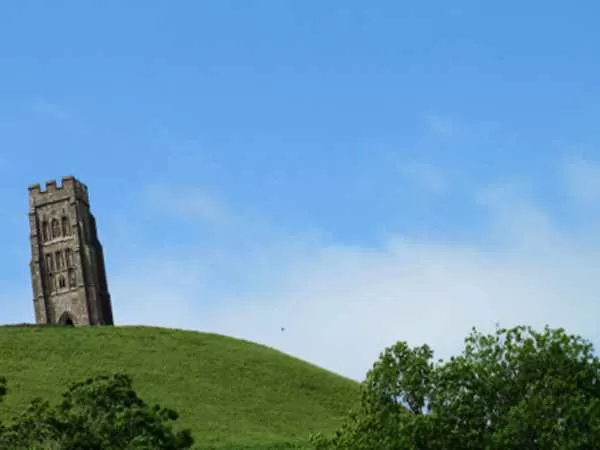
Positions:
(55, 229)
(72, 280)
(45, 231)
(50, 282)
(57, 260)
(69, 253)
(65, 226)
(49, 262)
(61, 282)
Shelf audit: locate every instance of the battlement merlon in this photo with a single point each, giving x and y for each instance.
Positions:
(70, 187)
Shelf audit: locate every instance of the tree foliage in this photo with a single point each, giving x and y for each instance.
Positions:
(514, 389)
(98, 413)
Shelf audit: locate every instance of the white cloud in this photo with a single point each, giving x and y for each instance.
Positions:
(342, 304)
(439, 125)
(426, 176)
(515, 219)
(48, 110)
(583, 180)
(186, 201)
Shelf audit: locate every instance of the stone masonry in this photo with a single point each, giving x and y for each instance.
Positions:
(67, 262)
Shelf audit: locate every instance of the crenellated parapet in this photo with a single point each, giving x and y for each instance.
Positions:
(70, 187)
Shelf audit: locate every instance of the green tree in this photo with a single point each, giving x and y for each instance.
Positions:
(514, 389)
(98, 413)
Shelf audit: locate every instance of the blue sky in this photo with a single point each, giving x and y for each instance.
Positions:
(356, 172)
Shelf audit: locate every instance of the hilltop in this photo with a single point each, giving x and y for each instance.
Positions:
(231, 393)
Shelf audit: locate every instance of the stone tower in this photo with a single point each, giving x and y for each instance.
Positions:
(67, 263)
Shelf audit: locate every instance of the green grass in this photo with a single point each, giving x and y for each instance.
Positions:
(232, 394)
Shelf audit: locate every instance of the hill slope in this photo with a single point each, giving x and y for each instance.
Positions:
(231, 393)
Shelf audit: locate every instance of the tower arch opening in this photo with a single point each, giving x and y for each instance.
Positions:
(66, 319)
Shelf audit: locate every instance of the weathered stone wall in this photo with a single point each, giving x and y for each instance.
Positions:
(67, 267)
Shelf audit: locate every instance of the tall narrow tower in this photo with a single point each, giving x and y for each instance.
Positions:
(67, 263)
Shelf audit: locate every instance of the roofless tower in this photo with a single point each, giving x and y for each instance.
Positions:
(67, 262)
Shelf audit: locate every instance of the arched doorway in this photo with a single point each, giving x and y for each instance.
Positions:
(66, 319)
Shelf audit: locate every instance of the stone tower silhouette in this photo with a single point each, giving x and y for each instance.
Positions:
(67, 263)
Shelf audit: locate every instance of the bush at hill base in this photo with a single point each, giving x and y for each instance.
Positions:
(515, 389)
(101, 413)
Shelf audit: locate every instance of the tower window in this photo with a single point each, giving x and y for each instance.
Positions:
(61, 282)
(65, 226)
(45, 231)
(69, 253)
(72, 279)
(55, 229)
(49, 262)
(50, 282)
(60, 260)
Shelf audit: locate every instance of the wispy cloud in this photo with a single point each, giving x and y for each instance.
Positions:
(49, 110)
(186, 201)
(515, 218)
(425, 176)
(440, 125)
(583, 180)
(342, 304)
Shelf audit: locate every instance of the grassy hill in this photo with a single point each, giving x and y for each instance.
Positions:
(231, 393)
